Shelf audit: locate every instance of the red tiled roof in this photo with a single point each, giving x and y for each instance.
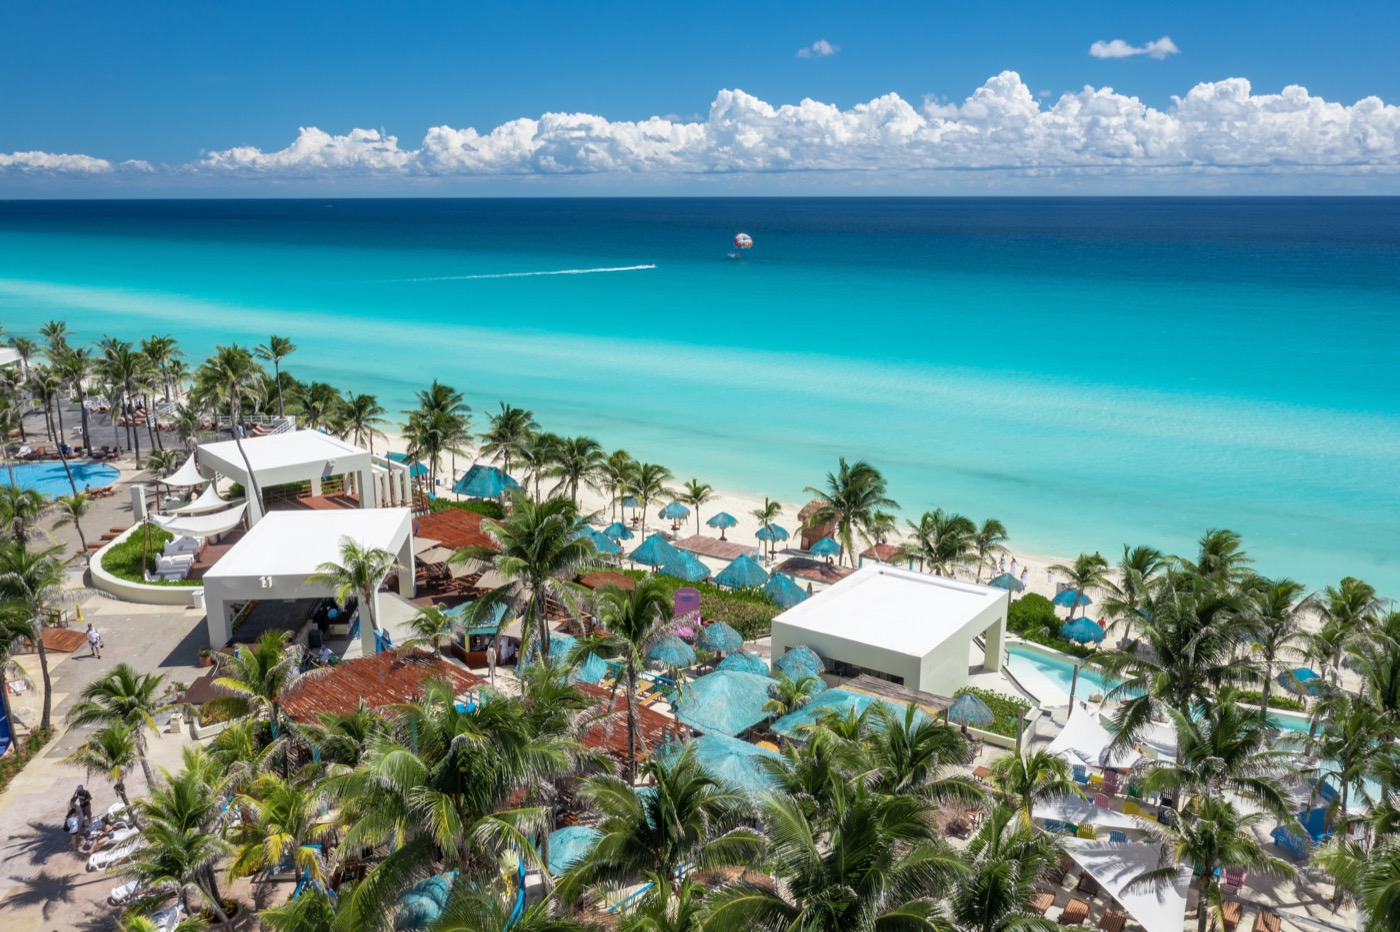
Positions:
(609, 731)
(714, 547)
(455, 528)
(882, 552)
(599, 580)
(816, 570)
(382, 680)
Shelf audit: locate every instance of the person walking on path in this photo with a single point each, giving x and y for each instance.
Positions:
(94, 642)
(491, 662)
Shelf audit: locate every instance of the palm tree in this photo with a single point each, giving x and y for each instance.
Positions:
(311, 909)
(55, 334)
(613, 474)
(695, 494)
(227, 375)
(941, 541)
(71, 510)
(1023, 781)
(1349, 736)
(686, 819)
(987, 543)
(1085, 573)
(538, 455)
(110, 751)
(767, 514)
(788, 695)
(1006, 860)
(444, 406)
(361, 419)
(162, 351)
(360, 573)
(541, 549)
(432, 629)
(20, 511)
(286, 821)
(510, 430)
(576, 462)
(320, 406)
(75, 366)
(429, 435)
(182, 849)
(31, 580)
(853, 495)
(1347, 610)
(256, 678)
(634, 622)
(484, 906)
(909, 753)
(1139, 576)
(1273, 610)
(647, 484)
(1220, 557)
(1216, 836)
(128, 371)
(124, 697)
(274, 351)
(1371, 876)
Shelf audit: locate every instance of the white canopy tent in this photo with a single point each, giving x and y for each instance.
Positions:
(1086, 741)
(207, 501)
(202, 525)
(1079, 811)
(187, 475)
(1156, 907)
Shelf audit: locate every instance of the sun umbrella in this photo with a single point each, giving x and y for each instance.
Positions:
(654, 551)
(1007, 581)
(721, 637)
(603, 544)
(1072, 598)
(826, 547)
(742, 661)
(967, 709)
(671, 651)
(569, 845)
(734, 764)
(617, 531)
(742, 573)
(417, 471)
(1082, 630)
(798, 662)
(784, 591)
(683, 564)
(723, 702)
(1301, 680)
(629, 502)
(675, 512)
(724, 520)
(485, 482)
(771, 533)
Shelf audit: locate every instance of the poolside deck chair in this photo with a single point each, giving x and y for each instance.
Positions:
(1131, 808)
(108, 858)
(1117, 837)
(1075, 912)
(1291, 842)
(125, 893)
(1087, 885)
(1235, 877)
(1102, 801)
(1087, 830)
(1267, 921)
(1081, 773)
(1113, 920)
(167, 919)
(1040, 903)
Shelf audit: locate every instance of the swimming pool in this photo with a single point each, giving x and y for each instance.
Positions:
(51, 481)
(1033, 667)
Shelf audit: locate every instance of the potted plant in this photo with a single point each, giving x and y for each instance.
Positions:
(206, 656)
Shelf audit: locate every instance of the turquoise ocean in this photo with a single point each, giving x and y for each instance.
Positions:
(1093, 372)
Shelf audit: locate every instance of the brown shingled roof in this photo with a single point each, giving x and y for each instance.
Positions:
(609, 732)
(382, 680)
(606, 578)
(882, 552)
(455, 528)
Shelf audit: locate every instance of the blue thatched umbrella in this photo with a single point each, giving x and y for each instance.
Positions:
(416, 471)
(1082, 630)
(600, 543)
(675, 513)
(826, 547)
(1008, 582)
(734, 763)
(569, 845)
(654, 551)
(798, 662)
(724, 520)
(721, 637)
(683, 564)
(723, 702)
(968, 709)
(485, 482)
(771, 534)
(742, 661)
(742, 573)
(671, 651)
(1072, 599)
(617, 531)
(784, 591)
(1300, 680)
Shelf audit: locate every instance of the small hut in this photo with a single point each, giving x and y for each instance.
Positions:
(810, 535)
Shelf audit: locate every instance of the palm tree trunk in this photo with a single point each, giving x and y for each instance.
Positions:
(631, 722)
(541, 623)
(63, 458)
(145, 760)
(83, 409)
(277, 376)
(82, 540)
(135, 432)
(238, 441)
(59, 408)
(47, 720)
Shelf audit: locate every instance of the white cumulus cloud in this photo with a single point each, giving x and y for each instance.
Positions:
(53, 162)
(819, 49)
(1117, 48)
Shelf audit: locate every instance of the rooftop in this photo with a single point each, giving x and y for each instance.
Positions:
(382, 680)
(296, 543)
(454, 528)
(714, 547)
(279, 451)
(608, 731)
(894, 609)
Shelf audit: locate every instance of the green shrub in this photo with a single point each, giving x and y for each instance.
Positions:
(749, 611)
(124, 560)
(1276, 701)
(480, 506)
(1008, 711)
(1032, 618)
(21, 753)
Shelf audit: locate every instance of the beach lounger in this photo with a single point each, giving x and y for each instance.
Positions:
(1087, 885)
(1232, 910)
(1267, 921)
(1041, 902)
(167, 919)
(1131, 808)
(124, 894)
(108, 858)
(1074, 913)
(1102, 801)
(1290, 842)
(1113, 920)
(1235, 877)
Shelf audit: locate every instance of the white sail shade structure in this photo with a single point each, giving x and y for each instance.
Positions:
(207, 501)
(1084, 740)
(187, 475)
(1156, 907)
(202, 525)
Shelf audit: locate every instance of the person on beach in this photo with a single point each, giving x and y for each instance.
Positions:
(83, 800)
(94, 645)
(1013, 566)
(1025, 577)
(491, 663)
(73, 825)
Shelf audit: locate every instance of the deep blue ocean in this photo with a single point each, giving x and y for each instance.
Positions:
(1093, 372)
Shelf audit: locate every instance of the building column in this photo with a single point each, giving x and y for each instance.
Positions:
(216, 621)
(408, 587)
(316, 486)
(995, 638)
(369, 497)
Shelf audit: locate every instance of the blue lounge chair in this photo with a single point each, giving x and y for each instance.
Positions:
(1054, 825)
(1290, 841)
(1081, 773)
(1314, 822)
(1117, 837)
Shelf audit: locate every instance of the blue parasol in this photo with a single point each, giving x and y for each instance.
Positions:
(629, 502)
(675, 512)
(485, 482)
(1082, 630)
(771, 533)
(723, 520)
(743, 573)
(654, 551)
(671, 651)
(826, 547)
(1072, 598)
(569, 845)
(1301, 680)
(416, 471)
(1007, 581)
(784, 591)
(721, 637)
(968, 709)
(601, 543)
(799, 661)
(617, 531)
(723, 702)
(742, 661)
(683, 564)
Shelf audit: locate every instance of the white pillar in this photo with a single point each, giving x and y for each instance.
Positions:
(407, 583)
(995, 637)
(316, 485)
(368, 496)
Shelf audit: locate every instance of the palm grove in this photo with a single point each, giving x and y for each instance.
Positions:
(849, 838)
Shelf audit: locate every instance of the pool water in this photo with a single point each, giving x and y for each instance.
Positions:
(1058, 670)
(51, 481)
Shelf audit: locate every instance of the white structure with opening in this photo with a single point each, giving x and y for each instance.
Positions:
(305, 456)
(275, 558)
(910, 627)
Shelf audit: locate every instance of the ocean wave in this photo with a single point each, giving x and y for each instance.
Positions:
(468, 278)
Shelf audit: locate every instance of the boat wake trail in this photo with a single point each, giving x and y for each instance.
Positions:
(468, 278)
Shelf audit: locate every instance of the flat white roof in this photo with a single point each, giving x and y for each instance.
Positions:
(296, 543)
(279, 451)
(893, 609)
(9, 356)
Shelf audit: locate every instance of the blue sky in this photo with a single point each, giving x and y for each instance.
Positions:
(161, 85)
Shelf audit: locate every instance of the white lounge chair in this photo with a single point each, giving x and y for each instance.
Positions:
(108, 858)
(167, 919)
(124, 894)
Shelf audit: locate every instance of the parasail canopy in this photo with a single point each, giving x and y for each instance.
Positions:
(743, 241)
